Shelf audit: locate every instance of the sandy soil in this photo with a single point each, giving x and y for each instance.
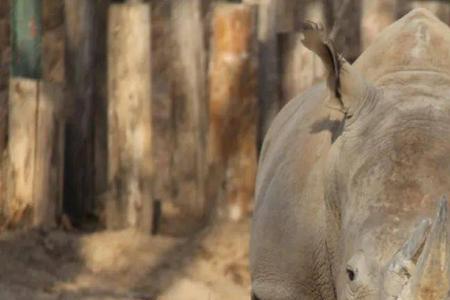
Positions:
(125, 265)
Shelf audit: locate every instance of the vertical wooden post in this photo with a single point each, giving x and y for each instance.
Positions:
(35, 128)
(268, 64)
(274, 16)
(233, 112)
(189, 106)
(129, 118)
(79, 148)
(299, 67)
(161, 103)
(49, 154)
(35, 148)
(4, 75)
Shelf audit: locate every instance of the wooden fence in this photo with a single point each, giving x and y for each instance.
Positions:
(155, 117)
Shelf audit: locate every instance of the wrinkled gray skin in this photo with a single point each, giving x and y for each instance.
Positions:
(349, 182)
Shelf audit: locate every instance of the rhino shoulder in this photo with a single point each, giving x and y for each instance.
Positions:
(302, 131)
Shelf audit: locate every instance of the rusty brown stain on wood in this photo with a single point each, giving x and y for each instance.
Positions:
(232, 107)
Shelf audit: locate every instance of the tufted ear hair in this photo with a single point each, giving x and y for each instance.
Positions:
(346, 84)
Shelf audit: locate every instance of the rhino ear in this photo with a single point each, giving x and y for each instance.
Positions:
(346, 85)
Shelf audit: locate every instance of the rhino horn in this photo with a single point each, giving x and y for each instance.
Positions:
(422, 266)
(403, 264)
(431, 280)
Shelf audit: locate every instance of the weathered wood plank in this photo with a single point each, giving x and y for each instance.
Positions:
(129, 118)
(48, 156)
(268, 10)
(189, 106)
(34, 148)
(299, 67)
(163, 132)
(274, 16)
(233, 112)
(22, 147)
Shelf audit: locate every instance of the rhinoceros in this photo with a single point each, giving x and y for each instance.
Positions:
(353, 174)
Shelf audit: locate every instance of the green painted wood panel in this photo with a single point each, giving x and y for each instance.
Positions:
(26, 35)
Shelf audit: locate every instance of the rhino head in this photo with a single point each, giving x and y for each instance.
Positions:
(389, 167)
(418, 270)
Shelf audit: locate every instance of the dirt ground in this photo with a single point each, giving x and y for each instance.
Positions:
(210, 265)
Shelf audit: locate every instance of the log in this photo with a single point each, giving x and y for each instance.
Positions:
(189, 106)
(299, 67)
(48, 180)
(79, 143)
(35, 154)
(129, 118)
(274, 16)
(232, 134)
(162, 103)
(268, 64)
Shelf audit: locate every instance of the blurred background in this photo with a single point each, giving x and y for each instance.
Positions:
(130, 133)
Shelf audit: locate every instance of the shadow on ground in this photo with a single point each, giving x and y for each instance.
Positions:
(211, 264)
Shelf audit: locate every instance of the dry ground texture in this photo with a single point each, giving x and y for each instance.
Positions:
(210, 265)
